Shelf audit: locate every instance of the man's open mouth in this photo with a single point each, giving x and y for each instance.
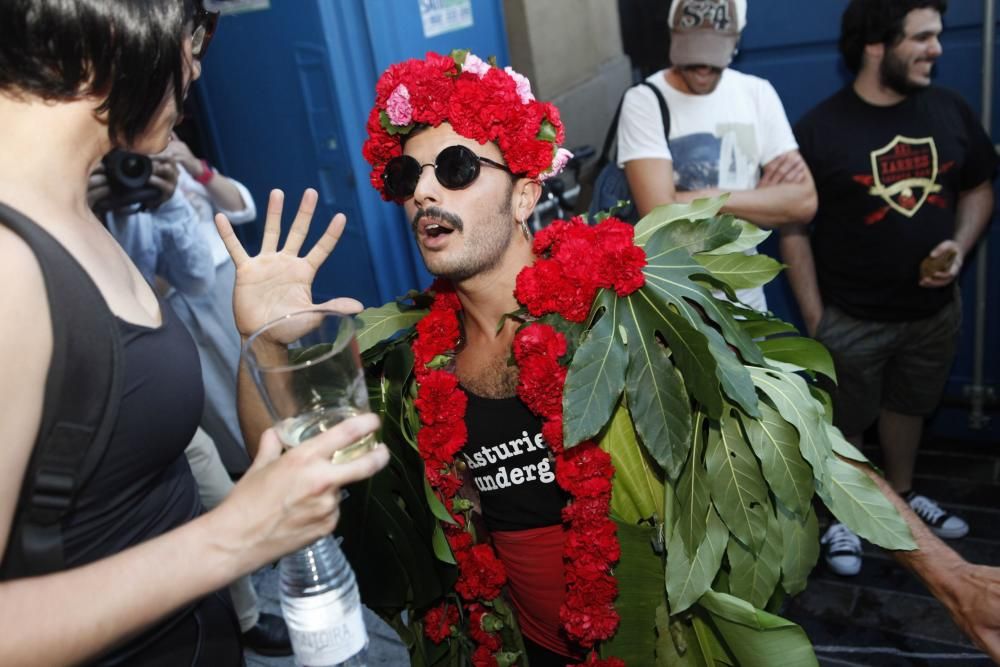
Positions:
(435, 229)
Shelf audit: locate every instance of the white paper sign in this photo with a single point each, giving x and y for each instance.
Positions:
(236, 6)
(441, 16)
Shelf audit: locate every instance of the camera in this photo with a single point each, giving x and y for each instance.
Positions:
(128, 178)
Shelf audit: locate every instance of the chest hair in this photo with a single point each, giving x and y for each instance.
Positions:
(490, 378)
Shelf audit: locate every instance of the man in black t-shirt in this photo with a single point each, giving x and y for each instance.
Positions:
(903, 171)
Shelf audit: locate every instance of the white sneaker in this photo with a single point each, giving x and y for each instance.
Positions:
(842, 549)
(941, 522)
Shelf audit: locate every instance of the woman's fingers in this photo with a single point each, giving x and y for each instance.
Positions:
(268, 450)
(343, 304)
(326, 243)
(272, 223)
(300, 225)
(343, 434)
(233, 245)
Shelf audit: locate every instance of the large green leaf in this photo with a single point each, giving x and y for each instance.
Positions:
(377, 324)
(843, 447)
(750, 237)
(737, 488)
(800, 542)
(596, 376)
(689, 347)
(692, 492)
(751, 577)
(776, 444)
(662, 216)
(791, 397)
(640, 592)
(689, 578)
(757, 638)
(857, 502)
(803, 352)
(637, 490)
(710, 641)
(656, 395)
(670, 270)
(741, 271)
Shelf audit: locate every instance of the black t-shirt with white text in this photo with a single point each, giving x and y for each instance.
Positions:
(888, 180)
(511, 465)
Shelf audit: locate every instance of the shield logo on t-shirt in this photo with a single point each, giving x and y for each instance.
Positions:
(905, 173)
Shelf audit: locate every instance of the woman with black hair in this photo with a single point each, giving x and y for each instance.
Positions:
(106, 554)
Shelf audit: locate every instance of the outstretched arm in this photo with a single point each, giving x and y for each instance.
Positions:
(970, 593)
(274, 283)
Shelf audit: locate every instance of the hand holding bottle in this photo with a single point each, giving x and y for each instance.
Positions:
(285, 502)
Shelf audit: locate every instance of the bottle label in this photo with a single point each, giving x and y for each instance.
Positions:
(325, 629)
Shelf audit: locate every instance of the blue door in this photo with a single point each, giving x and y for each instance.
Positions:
(284, 96)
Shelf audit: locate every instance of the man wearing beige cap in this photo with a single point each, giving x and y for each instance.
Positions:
(728, 130)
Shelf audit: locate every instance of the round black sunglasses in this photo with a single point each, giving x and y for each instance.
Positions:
(456, 167)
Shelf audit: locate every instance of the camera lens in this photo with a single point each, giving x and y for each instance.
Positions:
(133, 166)
(127, 171)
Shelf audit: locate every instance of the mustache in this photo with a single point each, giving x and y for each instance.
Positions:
(438, 214)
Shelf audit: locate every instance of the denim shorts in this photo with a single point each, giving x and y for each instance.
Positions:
(899, 366)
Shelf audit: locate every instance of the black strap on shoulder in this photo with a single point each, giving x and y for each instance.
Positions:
(78, 414)
(609, 138)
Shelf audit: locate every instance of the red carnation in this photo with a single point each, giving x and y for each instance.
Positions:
(598, 538)
(480, 634)
(585, 471)
(459, 539)
(438, 622)
(553, 434)
(585, 510)
(482, 574)
(594, 661)
(439, 400)
(443, 441)
(483, 657)
(438, 332)
(539, 340)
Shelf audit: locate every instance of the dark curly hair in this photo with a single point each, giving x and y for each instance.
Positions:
(130, 52)
(876, 22)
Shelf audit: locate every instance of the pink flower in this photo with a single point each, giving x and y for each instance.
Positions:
(398, 106)
(558, 163)
(476, 65)
(523, 85)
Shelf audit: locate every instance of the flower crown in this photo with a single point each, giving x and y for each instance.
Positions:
(481, 102)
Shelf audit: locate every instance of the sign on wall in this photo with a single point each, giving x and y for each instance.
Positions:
(441, 16)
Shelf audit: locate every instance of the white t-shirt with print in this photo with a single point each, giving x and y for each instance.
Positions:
(720, 140)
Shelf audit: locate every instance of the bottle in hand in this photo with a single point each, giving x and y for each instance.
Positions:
(322, 607)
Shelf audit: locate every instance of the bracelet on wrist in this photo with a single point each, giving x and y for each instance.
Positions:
(207, 173)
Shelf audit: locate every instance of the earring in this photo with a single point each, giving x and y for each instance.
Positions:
(524, 229)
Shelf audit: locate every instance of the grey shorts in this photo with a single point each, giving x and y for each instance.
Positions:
(899, 366)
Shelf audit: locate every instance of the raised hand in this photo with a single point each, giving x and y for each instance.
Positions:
(278, 281)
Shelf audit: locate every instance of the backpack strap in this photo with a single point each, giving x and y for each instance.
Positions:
(612, 133)
(80, 405)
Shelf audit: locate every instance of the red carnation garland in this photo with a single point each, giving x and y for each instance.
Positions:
(574, 261)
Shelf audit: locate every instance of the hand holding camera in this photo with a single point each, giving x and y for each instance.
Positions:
(125, 179)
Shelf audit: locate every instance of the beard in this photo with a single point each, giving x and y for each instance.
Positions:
(894, 73)
(484, 245)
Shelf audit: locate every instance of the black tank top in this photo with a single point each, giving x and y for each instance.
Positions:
(511, 465)
(143, 487)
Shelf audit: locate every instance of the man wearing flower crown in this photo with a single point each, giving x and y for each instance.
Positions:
(623, 409)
